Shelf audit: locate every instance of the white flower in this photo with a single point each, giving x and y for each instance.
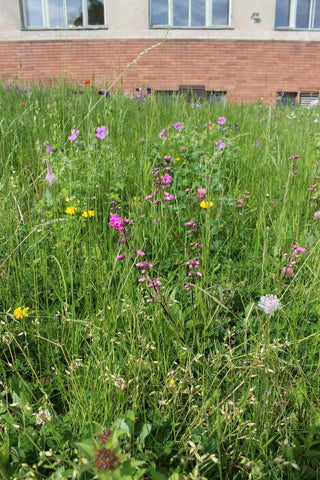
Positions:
(43, 416)
(269, 304)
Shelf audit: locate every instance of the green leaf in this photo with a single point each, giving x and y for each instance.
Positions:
(146, 429)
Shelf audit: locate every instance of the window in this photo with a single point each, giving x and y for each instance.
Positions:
(303, 14)
(309, 99)
(63, 13)
(190, 13)
(287, 99)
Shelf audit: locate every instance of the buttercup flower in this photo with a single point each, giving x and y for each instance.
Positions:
(88, 213)
(269, 304)
(21, 312)
(205, 204)
(71, 210)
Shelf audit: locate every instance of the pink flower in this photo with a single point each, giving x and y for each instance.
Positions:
(287, 272)
(74, 135)
(221, 120)
(163, 134)
(220, 144)
(201, 194)
(317, 215)
(168, 197)
(166, 179)
(187, 287)
(139, 252)
(101, 132)
(50, 177)
(120, 257)
(148, 197)
(116, 222)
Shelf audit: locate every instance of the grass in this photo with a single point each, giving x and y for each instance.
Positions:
(120, 369)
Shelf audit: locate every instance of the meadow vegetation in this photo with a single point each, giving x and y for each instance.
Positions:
(159, 278)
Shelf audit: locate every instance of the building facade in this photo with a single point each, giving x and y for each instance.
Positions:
(242, 50)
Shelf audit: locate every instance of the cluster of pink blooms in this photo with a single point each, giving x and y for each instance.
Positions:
(288, 270)
(193, 265)
(241, 201)
(120, 224)
(154, 285)
(162, 179)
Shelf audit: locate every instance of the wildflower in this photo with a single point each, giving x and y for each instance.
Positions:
(178, 126)
(21, 312)
(23, 104)
(119, 383)
(87, 82)
(88, 213)
(139, 252)
(74, 135)
(166, 179)
(120, 257)
(101, 92)
(316, 215)
(71, 210)
(148, 197)
(138, 89)
(256, 142)
(101, 132)
(104, 437)
(205, 204)
(50, 177)
(116, 222)
(269, 304)
(187, 287)
(222, 120)
(172, 382)
(43, 417)
(183, 150)
(148, 90)
(168, 197)
(177, 159)
(201, 194)
(167, 159)
(144, 265)
(288, 271)
(48, 148)
(220, 144)
(163, 133)
(106, 459)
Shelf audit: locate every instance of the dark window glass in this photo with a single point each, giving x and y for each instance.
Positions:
(159, 12)
(95, 12)
(302, 18)
(33, 13)
(286, 99)
(198, 13)
(282, 13)
(220, 12)
(180, 13)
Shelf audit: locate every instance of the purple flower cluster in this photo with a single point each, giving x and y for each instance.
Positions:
(292, 256)
(162, 179)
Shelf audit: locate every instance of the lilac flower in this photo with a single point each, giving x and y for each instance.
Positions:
(221, 120)
(50, 177)
(178, 126)
(48, 148)
(163, 133)
(74, 135)
(101, 132)
(220, 144)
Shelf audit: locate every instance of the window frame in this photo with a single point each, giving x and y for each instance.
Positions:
(293, 17)
(208, 16)
(46, 20)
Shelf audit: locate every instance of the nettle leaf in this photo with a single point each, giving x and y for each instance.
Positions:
(146, 429)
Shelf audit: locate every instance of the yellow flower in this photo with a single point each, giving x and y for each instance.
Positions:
(178, 159)
(88, 213)
(205, 204)
(172, 383)
(71, 210)
(21, 312)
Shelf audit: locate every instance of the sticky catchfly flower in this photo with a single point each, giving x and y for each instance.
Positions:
(269, 304)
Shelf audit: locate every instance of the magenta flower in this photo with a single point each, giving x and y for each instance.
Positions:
(220, 144)
(178, 126)
(74, 135)
(163, 134)
(116, 222)
(102, 132)
(222, 120)
(148, 197)
(166, 179)
(48, 148)
(120, 257)
(168, 197)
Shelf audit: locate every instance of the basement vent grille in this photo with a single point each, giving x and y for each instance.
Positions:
(309, 99)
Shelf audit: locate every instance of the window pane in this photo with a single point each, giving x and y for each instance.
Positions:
(302, 18)
(220, 12)
(95, 12)
(33, 13)
(282, 13)
(198, 13)
(159, 12)
(316, 23)
(56, 14)
(181, 13)
(74, 8)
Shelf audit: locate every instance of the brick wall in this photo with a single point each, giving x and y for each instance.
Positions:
(247, 70)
